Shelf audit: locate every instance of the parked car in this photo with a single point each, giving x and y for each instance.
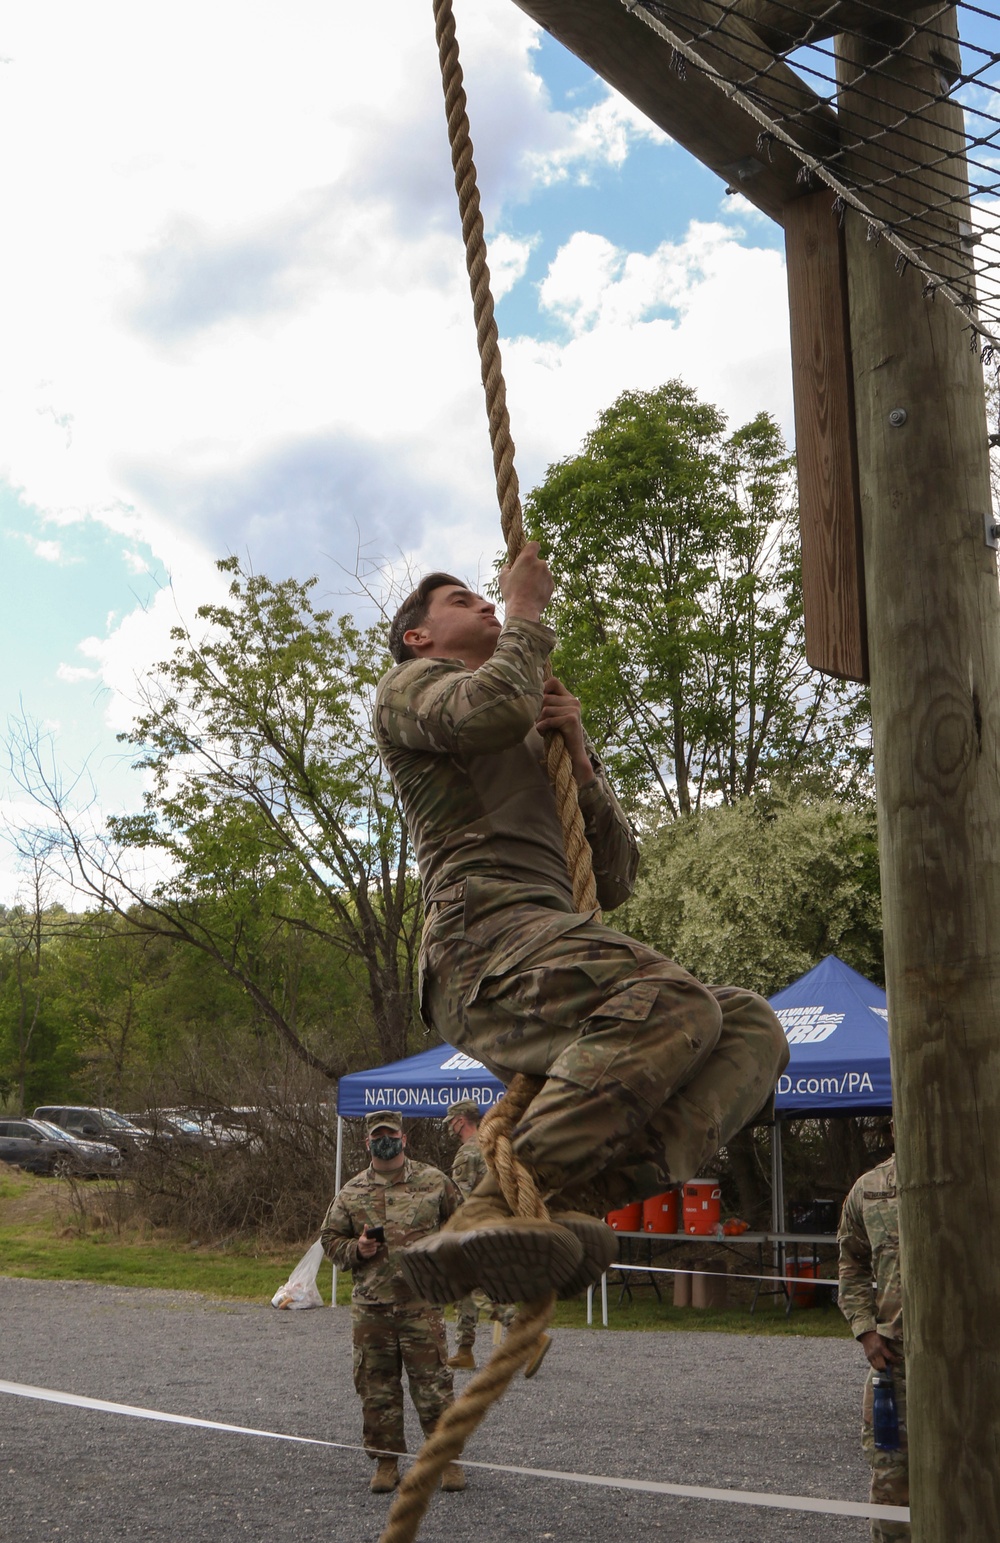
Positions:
(39, 1147)
(173, 1125)
(90, 1123)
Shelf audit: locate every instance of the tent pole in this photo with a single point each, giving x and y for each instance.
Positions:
(777, 1178)
(336, 1188)
(777, 1194)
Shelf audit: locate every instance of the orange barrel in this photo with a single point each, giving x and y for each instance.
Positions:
(628, 1219)
(802, 1295)
(659, 1212)
(702, 1206)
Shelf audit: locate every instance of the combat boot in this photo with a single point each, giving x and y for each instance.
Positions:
(453, 1478)
(463, 1360)
(599, 1247)
(386, 1476)
(511, 1258)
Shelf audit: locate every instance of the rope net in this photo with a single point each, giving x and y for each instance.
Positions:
(893, 106)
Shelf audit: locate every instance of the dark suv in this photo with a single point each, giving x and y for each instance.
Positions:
(95, 1125)
(42, 1148)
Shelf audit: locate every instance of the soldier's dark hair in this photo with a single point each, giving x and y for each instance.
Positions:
(413, 612)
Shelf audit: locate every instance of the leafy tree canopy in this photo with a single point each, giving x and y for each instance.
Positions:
(760, 891)
(678, 608)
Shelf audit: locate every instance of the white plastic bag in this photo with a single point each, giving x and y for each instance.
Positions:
(300, 1288)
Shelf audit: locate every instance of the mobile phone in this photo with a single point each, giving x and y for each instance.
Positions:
(376, 1234)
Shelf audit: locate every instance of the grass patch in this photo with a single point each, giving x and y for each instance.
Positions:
(44, 1237)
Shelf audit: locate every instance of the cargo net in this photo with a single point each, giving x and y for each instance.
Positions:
(893, 107)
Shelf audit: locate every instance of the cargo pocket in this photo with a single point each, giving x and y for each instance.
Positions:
(523, 938)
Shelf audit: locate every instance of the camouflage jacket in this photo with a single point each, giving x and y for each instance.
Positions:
(409, 1206)
(469, 767)
(469, 1167)
(871, 1294)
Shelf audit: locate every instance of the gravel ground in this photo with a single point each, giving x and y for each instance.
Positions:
(715, 1409)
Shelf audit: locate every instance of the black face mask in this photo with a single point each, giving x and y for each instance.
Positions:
(386, 1147)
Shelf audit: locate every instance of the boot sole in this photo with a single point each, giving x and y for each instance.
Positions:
(515, 1266)
(600, 1250)
(436, 1269)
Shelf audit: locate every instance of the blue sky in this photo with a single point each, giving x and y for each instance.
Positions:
(236, 316)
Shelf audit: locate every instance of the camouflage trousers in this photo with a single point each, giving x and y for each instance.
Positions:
(890, 1470)
(387, 1339)
(646, 1071)
(467, 1316)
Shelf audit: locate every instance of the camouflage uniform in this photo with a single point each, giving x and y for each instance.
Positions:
(466, 1171)
(871, 1297)
(392, 1329)
(647, 1071)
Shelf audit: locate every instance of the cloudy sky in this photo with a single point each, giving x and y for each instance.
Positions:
(236, 318)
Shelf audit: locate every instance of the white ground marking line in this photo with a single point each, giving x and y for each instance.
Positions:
(641, 1486)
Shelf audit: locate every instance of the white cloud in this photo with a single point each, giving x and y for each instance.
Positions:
(48, 551)
(707, 309)
(238, 319)
(599, 135)
(71, 673)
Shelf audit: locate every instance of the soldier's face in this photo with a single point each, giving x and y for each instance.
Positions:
(459, 625)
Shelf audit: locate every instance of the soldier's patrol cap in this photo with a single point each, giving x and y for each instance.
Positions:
(384, 1119)
(464, 1106)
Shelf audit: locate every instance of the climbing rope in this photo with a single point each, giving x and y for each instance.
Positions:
(516, 1181)
(461, 1419)
(560, 767)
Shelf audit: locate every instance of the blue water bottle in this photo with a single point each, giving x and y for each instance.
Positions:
(885, 1418)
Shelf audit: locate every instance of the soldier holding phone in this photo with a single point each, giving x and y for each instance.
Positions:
(389, 1205)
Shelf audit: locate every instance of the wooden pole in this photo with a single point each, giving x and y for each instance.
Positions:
(934, 644)
(826, 456)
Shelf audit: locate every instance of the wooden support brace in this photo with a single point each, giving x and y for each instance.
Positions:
(833, 587)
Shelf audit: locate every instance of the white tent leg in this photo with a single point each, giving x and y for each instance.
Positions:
(777, 1194)
(336, 1189)
(604, 1299)
(777, 1179)
(590, 1307)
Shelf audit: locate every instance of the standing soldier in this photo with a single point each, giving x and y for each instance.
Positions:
(871, 1299)
(468, 1168)
(378, 1213)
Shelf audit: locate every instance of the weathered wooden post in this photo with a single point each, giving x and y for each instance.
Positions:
(934, 647)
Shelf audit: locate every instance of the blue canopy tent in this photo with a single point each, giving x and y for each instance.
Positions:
(837, 1027)
(423, 1084)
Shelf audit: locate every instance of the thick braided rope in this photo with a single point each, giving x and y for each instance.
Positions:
(458, 1422)
(560, 767)
(516, 1181)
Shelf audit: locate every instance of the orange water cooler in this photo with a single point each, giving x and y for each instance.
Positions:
(628, 1219)
(660, 1213)
(702, 1207)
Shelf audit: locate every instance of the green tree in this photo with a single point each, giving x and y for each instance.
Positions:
(760, 891)
(757, 893)
(267, 814)
(678, 608)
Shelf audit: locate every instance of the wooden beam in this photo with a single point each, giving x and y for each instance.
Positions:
(689, 106)
(934, 638)
(785, 24)
(833, 589)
